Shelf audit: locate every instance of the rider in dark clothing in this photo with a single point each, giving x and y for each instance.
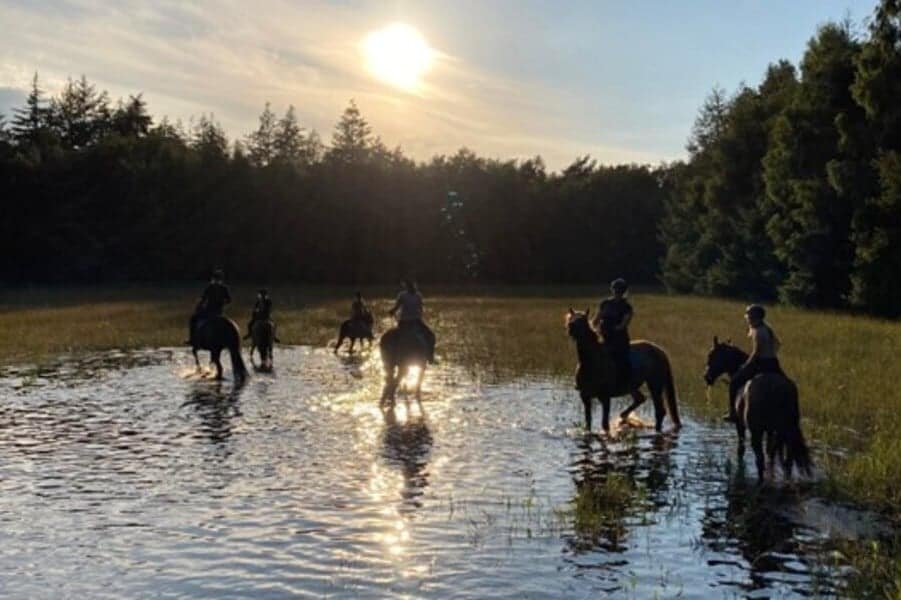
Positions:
(212, 301)
(262, 310)
(359, 311)
(613, 316)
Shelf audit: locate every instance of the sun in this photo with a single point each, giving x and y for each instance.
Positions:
(398, 55)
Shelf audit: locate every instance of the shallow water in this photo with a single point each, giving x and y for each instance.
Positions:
(126, 474)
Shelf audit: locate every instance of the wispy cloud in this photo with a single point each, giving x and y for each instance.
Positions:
(229, 58)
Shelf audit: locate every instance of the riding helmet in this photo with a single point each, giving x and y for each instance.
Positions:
(619, 285)
(755, 311)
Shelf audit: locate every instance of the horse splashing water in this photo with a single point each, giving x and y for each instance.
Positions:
(215, 334)
(596, 374)
(355, 329)
(262, 339)
(402, 348)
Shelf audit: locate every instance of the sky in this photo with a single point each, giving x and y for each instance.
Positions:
(620, 81)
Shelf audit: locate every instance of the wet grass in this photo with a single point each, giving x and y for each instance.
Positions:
(847, 366)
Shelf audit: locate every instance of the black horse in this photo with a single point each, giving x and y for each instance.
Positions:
(215, 334)
(596, 375)
(262, 339)
(402, 348)
(768, 404)
(355, 329)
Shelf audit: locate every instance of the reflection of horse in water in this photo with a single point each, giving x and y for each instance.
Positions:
(768, 405)
(596, 374)
(756, 521)
(612, 483)
(408, 444)
(402, 348)
(355, 329)
(215, 334)
(216, 408)
(262, 339)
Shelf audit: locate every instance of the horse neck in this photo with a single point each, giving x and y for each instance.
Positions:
(737, 358)
(587, 348)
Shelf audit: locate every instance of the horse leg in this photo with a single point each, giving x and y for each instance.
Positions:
(757, 445)
(740, 429)
(196, 359)
(659, 408)
(637, 400)
(586, 402)
(214, 355)
(419, 384)
(252, 348)
(772, 446)
(605, 415)
(352, 341)
(340, 341)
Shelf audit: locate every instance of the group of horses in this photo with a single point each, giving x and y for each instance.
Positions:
(767, 406)
(401, 350)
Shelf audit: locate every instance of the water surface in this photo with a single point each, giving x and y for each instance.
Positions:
(126, 474)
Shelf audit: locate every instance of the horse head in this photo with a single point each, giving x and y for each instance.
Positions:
(722, 358)
(578, 326)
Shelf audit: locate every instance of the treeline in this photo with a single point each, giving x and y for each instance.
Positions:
(792, 189)
(94, 192)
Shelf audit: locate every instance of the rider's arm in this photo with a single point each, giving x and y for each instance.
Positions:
(754, 349)
(395, 308)
(627, 318)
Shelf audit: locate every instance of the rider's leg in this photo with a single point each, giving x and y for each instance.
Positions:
(738, 381)
(429, 336)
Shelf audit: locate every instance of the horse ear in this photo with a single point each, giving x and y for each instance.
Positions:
(571, 311)
(716, 341)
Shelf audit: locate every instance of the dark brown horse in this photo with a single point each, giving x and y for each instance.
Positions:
(262, 339)
(596, 374)
(401, 349)
(215, 334)
(767, 405)
(355, 329)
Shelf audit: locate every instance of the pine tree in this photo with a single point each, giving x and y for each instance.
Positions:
(28, 122)
(261, 144)
(352, 140)
(80, 115)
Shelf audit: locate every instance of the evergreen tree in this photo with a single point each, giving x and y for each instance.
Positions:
(261, 144)
(81, 114)
(28, 122)
(352, 140)
(130, 119)
(208, 139)
(877, 227)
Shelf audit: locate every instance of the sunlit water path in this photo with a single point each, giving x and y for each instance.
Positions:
(125, 475)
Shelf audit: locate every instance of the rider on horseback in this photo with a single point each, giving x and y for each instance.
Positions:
(408, 310)
(359, 311)
(612, 319)
(262, 310)
(764, 345)
(212, 302)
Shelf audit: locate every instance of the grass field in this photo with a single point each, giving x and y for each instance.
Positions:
(846, 366)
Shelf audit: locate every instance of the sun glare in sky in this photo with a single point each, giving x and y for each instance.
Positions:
(398, 55)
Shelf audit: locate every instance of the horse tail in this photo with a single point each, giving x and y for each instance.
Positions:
(669, 389)
(238, 367)
(798, 452)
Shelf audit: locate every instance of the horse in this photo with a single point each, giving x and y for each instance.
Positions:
(214, 334)
(768, 404)
(401, 348)
(262, 339)
(596, 374)
(355, 329)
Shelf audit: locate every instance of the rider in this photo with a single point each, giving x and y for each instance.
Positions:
(408, 310)
(612, 319)
(212, 301)
(262, 310)
(358, 309)
(764, 345)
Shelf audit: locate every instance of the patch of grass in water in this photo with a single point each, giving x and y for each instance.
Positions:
(599, 510)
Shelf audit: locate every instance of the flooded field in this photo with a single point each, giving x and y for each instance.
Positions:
(126, 474)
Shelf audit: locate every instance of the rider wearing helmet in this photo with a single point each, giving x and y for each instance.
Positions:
(212, 302)
(612, 319)
(408, 311)
(358, 309)
(262, 310)
(763, 359)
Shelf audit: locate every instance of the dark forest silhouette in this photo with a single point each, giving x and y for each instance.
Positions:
(791, 190)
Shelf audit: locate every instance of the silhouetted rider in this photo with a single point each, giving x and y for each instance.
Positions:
(763, 359)
(212, 302)
(408, 311)
(612, 319)
(262, 310)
